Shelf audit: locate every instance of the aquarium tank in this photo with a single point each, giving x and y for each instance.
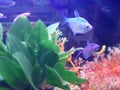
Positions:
(59, 45)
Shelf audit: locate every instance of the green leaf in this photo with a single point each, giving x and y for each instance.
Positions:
(36, 75)
(15, 45)
(48, 57)
(21, 28)
(3, 48)
(47, 44)
(3, 88)
(26, 66)
(1, 32)
(38, 34)
(47, 54)
(1, 78)
(53, 78)
(64, 55)
(12, 73)
(68, 75)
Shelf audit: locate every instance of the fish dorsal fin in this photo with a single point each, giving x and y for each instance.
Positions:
(76, 13)
(63, 20)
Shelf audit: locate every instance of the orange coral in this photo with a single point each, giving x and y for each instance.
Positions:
(103, 74)
(74, 69)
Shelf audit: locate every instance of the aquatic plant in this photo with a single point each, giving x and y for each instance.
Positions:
(103, 73)
(30, 59)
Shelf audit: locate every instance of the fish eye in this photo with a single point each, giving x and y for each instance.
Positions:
(87, 27)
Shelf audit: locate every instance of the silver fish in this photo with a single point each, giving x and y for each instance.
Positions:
(89, 50)
(78, 24)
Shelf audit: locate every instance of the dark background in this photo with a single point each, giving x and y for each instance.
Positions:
(104, 15)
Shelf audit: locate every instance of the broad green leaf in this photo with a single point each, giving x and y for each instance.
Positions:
(68, 75)
(3, 88)
(3, 48)
(47, 54)
(12, 73)
(64, 55)
(1, 32)
(1, 78)
(49, 45)
(53, 78)
(38, 34)
(48, 57)
(21, 28)
(36, 75)
(15, 45)
(26, 66)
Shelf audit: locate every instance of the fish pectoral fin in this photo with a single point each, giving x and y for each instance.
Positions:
(74, 33)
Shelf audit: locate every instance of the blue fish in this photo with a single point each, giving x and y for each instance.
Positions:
(89, 50)
(78, 24)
